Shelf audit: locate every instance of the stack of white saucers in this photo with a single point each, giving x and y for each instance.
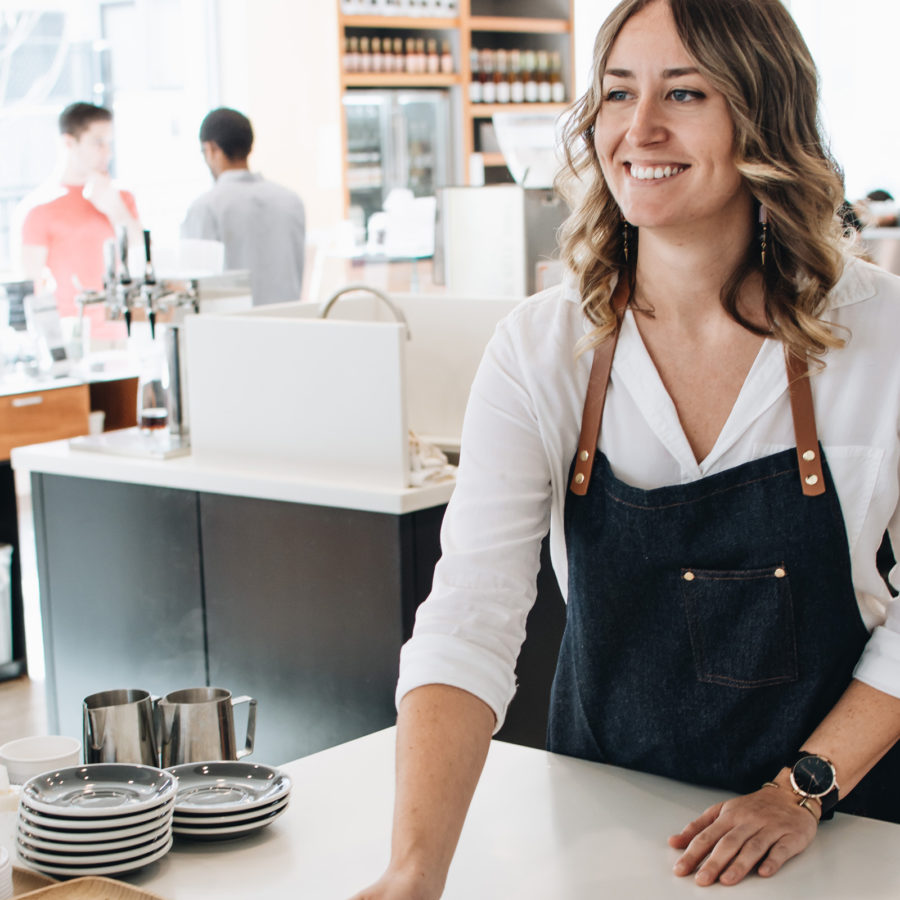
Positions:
(220, 800)
(96, 819)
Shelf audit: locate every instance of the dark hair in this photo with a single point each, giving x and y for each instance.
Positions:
(76, 118)
(753, 53)
(879, 195)
(230, 130)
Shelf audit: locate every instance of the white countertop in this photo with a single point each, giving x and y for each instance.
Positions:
(263, 481)
(541, 827)
(111, 365)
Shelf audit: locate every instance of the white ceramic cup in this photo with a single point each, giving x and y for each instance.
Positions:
(31, 756)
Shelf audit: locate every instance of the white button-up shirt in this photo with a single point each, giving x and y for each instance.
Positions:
(520, 435)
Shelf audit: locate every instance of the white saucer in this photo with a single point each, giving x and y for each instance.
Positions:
(98, 790)
(124, 866)
(94, 823)
(91, 859)
(232, 819)
(224, 831)
(226, 786)
(29, 839)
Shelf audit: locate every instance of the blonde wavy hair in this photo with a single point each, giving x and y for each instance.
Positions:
(751, 51)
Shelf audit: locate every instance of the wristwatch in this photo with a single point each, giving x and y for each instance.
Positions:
(814, 777)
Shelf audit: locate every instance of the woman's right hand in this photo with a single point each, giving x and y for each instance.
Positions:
(401, 886)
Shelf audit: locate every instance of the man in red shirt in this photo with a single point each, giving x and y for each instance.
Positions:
(68, 220)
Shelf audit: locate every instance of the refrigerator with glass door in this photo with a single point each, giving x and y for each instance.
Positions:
(396, 139)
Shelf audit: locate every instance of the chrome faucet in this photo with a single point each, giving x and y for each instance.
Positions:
(325, 308)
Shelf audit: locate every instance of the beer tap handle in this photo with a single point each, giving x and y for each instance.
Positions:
(127, 315)
(109, 260)
(151, 316)
(149, 275)
(125, 277)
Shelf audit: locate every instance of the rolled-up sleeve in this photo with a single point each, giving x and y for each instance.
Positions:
(469, 631)
(879, 665)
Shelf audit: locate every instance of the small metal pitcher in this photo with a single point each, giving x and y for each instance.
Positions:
(197, 724)
(119, 726)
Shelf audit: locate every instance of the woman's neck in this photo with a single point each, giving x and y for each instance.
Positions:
(681, 277)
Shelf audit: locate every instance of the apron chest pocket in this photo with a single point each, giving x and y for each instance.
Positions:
(741, 626)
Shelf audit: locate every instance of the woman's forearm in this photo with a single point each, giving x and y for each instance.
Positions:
(443, 736)
(859, 730)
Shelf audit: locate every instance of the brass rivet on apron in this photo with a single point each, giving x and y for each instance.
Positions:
(579, 478)
(583, 456)
(780, 573)
(688, 576)
(809, 455)
(811, 479)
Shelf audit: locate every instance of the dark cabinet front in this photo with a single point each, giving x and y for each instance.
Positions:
(121, 598)
(303, 607)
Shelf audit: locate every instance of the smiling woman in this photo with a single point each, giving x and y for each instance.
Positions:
(753, 117)
(721, 629)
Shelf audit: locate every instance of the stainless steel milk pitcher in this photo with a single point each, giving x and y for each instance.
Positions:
(119, 726)
(197, 724)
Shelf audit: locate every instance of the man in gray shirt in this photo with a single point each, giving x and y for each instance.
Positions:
(261, 224)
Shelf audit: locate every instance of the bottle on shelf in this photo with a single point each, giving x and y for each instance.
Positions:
(557, 87)
(432, 60)
(516, 85)
(365, 55)
(446, 58)
(529, 64)
(488, 86)
(421, 59)
(409, 60)
(476, 94)
(399, 60)
(543, 76)
(377, 58)
(351, 54)
(501, 82)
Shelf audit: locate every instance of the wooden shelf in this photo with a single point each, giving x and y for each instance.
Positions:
(546, 24)
(411, 23)
(486, 110)
(511, 23)
(399, 79)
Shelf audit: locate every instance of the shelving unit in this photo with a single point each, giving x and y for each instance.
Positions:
(539, 25)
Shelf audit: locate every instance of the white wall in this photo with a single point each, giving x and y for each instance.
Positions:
(855, 48)
(589, 16)
(278, 63)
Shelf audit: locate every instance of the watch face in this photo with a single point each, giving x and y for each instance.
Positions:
(813, 776)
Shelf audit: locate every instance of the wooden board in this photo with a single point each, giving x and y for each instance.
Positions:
(25, 881)
(88, 888)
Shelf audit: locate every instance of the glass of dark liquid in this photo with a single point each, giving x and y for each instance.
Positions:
(152, 399)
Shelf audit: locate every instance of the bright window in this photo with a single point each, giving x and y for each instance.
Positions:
(855, 48)
(153, 62)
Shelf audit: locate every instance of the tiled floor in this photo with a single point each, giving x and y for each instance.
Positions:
(22, 705)
(22, 709)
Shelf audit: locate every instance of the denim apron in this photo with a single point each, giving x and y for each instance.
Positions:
(712, 625)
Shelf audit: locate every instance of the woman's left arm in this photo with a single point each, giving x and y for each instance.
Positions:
(767, 827)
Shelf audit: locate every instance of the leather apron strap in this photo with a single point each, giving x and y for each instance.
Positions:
(595, 398)
(809, 459)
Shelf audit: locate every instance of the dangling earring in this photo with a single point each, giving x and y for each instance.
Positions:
(625, 237)
(764, 233)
